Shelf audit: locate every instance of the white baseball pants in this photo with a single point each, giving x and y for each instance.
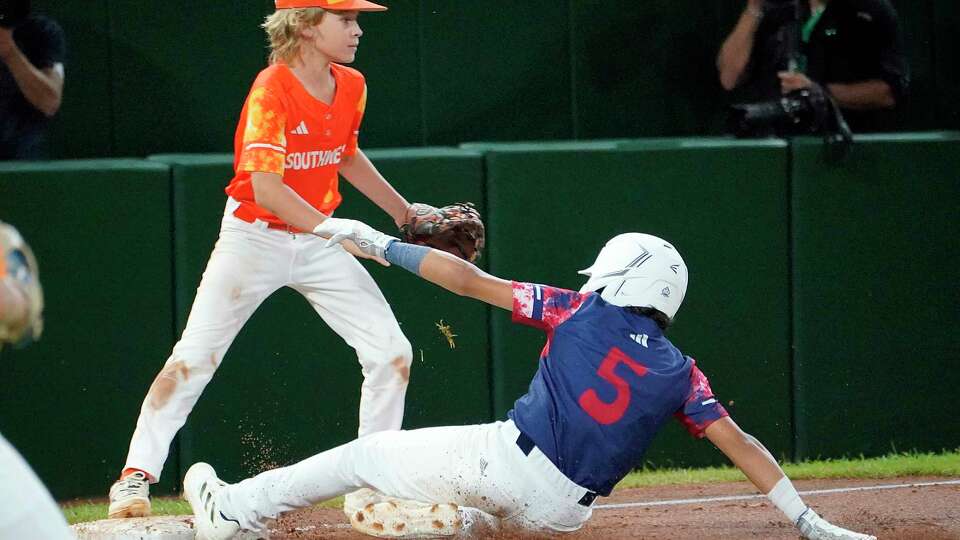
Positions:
(26, 508)
(477, 466)
(249, 263)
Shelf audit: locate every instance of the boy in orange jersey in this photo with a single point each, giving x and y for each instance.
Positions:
(297, 132)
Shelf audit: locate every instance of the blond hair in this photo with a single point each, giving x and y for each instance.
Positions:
(284, 27)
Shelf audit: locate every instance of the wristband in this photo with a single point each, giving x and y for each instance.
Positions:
(406, 256)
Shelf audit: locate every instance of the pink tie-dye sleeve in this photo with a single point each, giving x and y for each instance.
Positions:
(701, 407)
(542, 306)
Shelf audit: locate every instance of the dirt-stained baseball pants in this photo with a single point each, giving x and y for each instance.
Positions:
(26, 508)
(478, 466)
(249, 263)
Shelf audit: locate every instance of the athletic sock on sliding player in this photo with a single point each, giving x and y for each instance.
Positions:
(785, 497)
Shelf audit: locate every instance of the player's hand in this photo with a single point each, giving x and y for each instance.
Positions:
(814, 527)
(791, 80)
(358, 252)
(356, 237)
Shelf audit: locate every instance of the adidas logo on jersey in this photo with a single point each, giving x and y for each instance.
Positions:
(301, 129)
(640, 338)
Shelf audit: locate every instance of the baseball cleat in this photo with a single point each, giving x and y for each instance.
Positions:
(200, 487)
(814, 527)
(130, 497)
(376, 514)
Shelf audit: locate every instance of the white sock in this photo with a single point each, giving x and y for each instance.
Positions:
(785, 497)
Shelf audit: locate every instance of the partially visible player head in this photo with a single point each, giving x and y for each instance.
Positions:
(640, 271)
(297, 24)
(21, 296)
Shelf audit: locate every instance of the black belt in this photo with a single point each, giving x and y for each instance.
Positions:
(526, 444)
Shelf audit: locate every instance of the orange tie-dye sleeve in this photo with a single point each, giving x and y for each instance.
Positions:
(355, 128)
(264, 144)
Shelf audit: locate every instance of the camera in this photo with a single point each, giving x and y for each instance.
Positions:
(13, 12)
(810, 111)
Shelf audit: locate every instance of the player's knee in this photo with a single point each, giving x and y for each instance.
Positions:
(182, 377)
(390, 364)
(401, 357)
(402, 350)
(199, 359)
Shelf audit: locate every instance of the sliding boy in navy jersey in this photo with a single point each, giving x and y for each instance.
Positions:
(608, 380)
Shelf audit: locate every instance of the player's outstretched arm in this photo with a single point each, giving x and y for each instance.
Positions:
(271, 193)
(457, 275)
(441, 268)
(746, 453)
(363, 175)
(756, 462)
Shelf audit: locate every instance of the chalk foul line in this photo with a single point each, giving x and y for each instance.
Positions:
(673, 502)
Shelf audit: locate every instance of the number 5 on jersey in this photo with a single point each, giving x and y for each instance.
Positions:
(610, 413)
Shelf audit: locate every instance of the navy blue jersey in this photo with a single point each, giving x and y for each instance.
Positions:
(608, 380)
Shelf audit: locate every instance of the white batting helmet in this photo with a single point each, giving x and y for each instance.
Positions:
(636, 269)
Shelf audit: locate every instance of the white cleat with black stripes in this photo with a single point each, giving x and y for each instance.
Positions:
(200, 486)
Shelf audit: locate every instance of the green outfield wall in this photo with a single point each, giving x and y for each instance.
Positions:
(172, 77)
(69, 403)
(821, 301)
(875, 256)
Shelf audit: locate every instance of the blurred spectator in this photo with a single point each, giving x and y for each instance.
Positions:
(32, 48)
(851, 48)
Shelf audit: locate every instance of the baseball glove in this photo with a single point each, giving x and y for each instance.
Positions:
(456, 229)
(18, 268)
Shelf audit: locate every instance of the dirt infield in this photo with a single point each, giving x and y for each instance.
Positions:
(914, 513)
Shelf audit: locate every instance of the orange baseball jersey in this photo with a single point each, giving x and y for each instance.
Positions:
(285, 130)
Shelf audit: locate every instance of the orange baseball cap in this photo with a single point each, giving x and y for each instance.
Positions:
(332, 5)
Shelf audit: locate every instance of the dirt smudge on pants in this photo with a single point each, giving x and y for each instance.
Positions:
(402, 368)
(166, 382)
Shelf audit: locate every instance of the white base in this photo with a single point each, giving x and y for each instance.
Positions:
(152, 528)
(148, 528)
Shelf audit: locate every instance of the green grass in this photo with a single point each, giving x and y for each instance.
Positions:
(889, 466)
(80, 511)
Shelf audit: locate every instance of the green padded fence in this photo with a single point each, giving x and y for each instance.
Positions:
(723, 206)
(852, 264)
(875, 295)
(101, 233)
(289, 386)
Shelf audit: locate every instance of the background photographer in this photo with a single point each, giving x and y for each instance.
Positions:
(32, 48)
(852, 48)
